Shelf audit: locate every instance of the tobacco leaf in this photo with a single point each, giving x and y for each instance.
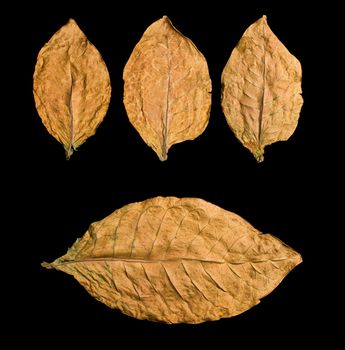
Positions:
(177, 260)
(167, 88)
(71, 87)
(261, 87)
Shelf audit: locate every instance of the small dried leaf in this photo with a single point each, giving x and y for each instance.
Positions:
(177, 260)
(167, 88)
(261, 89)
(71, 87)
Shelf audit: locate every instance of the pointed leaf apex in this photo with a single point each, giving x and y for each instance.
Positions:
(46, 265)
(71, 21)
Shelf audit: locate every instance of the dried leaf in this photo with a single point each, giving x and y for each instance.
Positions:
(71, 87)
(167, 88)
(177, 260)
(261, 89)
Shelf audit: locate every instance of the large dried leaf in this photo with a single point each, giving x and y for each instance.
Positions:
(261, 89)
(167, 88)
(177, 260)
(71, 87)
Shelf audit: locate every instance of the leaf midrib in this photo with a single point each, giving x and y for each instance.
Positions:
(167, 107)
(155, 261)
(262, 101)
(70, 108)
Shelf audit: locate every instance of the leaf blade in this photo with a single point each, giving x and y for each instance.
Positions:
(197, 274)
(261, 87)
(71, 87)
(166, 88)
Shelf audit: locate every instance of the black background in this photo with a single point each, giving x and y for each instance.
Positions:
(58, 199)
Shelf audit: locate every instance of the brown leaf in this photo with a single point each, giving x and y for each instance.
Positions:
(167, 88)
(71, 87)
(177, 260)
(261, 89)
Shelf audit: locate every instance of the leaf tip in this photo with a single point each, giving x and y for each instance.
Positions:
(163, 157)
(295, 257)
(259, 155)
(262, 20)
(163, 153)
(72, 25)
(71, 21)
(69, 151)
(46, 265)
(166, 18)
(260, 159)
